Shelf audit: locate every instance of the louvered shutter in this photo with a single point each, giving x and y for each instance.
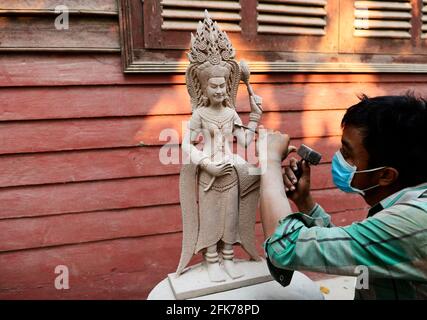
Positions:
(272, 25)
(281, 35)
(185, 15)
(167, 23)
(382, 19)
(296, 25)
(292, 17)
(424, 20)
(383, 27)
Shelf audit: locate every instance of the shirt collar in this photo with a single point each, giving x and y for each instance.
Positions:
(400, 196)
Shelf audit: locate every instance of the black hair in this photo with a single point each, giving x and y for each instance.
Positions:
(395, 133)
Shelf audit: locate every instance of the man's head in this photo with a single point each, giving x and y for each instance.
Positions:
(390, 132)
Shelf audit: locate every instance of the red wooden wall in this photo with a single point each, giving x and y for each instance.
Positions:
(77, 187)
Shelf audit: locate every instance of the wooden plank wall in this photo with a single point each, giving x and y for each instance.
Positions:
(81, 183)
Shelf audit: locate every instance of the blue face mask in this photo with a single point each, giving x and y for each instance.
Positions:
(343, 173)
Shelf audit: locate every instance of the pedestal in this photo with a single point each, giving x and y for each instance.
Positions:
(255, 285)
(194, 282)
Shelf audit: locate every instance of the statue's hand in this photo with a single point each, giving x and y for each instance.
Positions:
(218, 169)
(256, 104)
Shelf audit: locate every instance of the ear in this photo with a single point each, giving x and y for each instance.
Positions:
(388, 176)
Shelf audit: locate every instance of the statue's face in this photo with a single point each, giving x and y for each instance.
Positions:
(216, 90)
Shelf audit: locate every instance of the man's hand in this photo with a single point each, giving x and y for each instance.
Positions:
(298, 190)
(273, 145)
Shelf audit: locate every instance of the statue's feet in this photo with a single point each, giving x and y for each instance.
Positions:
(232, 270)
(215, 273)
(214, 270)
(230, 267)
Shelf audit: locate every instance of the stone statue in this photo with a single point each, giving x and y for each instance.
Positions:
(218, 195)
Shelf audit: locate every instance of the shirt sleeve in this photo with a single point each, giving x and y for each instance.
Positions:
(393, 244)
(316, 217)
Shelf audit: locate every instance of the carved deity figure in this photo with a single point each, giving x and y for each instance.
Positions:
(218, 193)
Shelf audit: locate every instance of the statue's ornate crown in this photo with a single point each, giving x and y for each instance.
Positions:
(210, 43)
(211, 55)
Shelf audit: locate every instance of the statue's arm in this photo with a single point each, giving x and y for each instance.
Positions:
(245, 136)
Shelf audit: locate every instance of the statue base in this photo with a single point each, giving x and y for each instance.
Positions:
(194, 281)
(253, 287)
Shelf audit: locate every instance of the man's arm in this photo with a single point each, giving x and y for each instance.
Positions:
(274, 203)
(392, 244)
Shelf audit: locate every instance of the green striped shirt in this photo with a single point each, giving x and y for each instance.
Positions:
(391, 244)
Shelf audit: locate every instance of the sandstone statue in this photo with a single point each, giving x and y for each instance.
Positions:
(218, 193)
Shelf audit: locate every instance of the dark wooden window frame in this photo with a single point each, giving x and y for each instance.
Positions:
(28, 26)
(248, 38)
(141, 54)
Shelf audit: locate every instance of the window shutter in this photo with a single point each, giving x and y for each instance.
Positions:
(168, 23)
(185, 15)
(293, 26)
(281, 35)
(383, 28)
(292, 17)
(273, 25)
(424, 20)
(382, 19)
